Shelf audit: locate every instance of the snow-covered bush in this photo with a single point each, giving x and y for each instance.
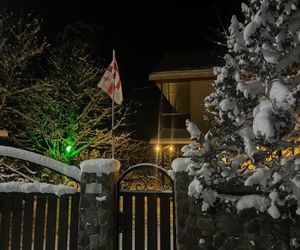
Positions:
(255, 99)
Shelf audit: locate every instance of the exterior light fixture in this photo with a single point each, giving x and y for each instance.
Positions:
(69, 148)
(171, 148)
(157, 148)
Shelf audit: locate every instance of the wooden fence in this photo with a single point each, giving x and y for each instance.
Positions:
(38, 221)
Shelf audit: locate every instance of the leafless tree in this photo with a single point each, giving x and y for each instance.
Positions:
(49, 100)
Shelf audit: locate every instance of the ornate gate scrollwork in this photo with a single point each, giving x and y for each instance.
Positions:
(145, 177)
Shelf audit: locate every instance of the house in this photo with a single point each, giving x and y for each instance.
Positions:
(184, 80)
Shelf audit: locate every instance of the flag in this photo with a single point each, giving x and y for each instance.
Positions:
(111, 82)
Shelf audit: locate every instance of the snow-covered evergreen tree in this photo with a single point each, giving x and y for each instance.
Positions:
(255, 99)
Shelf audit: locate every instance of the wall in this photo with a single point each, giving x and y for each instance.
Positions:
(221, 229)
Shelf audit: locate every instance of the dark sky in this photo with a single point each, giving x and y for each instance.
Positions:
(141, 32)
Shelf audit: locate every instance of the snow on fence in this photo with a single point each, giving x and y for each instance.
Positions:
(36, 187)
(67, 170)
(38, 221)
(39, 215)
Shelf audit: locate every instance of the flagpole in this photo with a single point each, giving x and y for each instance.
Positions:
(113, 111)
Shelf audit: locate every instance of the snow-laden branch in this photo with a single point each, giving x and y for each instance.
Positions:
(67, 170)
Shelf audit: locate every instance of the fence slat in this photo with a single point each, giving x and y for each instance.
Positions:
(165, 222)
(139, 222)
(63, 222)
(17, 212)
(127, 209)
(74, 222)
(39, 222)
(16, 222)
(152, 222)
(27, 226)
(5, 223)
(51, 222)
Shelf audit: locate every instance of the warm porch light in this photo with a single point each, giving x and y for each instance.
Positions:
(157, 148)
(3, 133)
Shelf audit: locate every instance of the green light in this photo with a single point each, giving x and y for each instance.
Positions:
(69, 148)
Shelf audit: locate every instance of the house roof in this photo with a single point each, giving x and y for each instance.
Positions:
(184, 66)
(188, 61)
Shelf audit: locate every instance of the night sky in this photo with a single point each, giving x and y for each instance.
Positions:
(141, 32)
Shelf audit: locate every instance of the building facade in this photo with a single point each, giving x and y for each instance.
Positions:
(184, 83)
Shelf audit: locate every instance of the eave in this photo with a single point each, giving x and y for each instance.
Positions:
(182, 75)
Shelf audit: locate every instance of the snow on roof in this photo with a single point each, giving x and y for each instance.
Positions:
(36, 187)
(103, 166)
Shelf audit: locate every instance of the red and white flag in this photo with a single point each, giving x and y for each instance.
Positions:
(111, 82)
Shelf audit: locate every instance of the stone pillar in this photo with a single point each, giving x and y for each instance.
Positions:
(97, 204)
(187, 230)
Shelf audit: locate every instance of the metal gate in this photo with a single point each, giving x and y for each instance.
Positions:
(146, 209)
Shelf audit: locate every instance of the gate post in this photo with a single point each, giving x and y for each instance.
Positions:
(187, 228)
(97, 204)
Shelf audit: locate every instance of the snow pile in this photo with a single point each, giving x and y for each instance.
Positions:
(278, 92)
(207, 195)
(222, 74)
(273, 117)
(201, 241)
(260, 177)
(100, 166)
(20, 187)
(228, 108)
(250, 89)
(246, 133)
(258, 202)
(273, 211)
(67, 170)
(263, 122)
(271, 120)
(193, 130)
(191, 150)
(235, 40)
(195, 188)
(260, 18)
(205, 171)
(101, 199)
(181, 164)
